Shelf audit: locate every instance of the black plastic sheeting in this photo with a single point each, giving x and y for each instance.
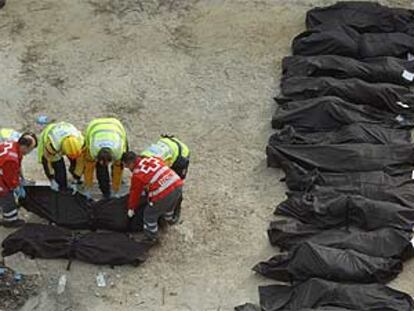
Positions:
(298, 178)
(344, 141)
(345, 41)
(329, 113)
(317, 293)
(384, 96)
(326, 208)
(381, 69)
(378, 185)
(76, 212)
(363, 16)
(309, 260)
(104, 248)
(383, 242)
(352, 133)
(342, 158)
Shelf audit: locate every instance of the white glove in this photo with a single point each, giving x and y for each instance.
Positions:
(87, 194)
(131, 213)
(115, 195)
(54, 185)
(74, 187)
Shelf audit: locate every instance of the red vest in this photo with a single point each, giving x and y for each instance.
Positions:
(9, 151)
(158, 178)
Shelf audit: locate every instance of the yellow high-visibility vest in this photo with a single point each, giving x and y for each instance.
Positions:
(53, 136)
(106, 133)
(168, 149)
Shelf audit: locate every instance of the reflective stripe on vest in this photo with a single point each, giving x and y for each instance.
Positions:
(106, 133)
(60, 131)
(158, 174)
(106, 139)
(173, 178)
(159, 150)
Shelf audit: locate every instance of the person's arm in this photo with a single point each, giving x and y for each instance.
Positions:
(11, 175)
(135, 192)
(78, 166)
(47, 167)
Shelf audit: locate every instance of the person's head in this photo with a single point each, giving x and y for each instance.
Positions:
(128, 159)
(27, 142)
(72, 147)
(104, 156)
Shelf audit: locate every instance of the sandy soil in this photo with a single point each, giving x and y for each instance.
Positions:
(203, 70)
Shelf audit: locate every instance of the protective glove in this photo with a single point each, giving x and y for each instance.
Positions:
(54, 185)
(87, 194)
(74, 186)
(115, 195)
(19, 192)
(131, 213)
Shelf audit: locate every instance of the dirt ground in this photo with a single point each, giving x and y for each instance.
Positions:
(203, 70)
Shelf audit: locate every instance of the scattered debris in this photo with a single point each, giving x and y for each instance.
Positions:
(61, 284)
(101, 280)
(16, 288)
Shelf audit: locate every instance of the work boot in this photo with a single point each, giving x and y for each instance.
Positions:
(151, 237)
(14, 224)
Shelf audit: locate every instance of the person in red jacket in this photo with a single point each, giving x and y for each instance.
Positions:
(162, 186)
(11, 154)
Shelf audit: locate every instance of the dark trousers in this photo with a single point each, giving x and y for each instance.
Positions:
(9, 207)
(104, 180)
(59, 168)
(164, 208)
(180, 166)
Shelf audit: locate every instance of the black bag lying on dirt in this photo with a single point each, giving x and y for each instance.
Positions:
(345, 41)
(309, 260)
(76, 212)
(376, 185)
(342, 158)
(326, 208)
(383, 242)
(381, 69)
(384, 96)
(347, 134)
(362, 16)
(104, 248)
(298, 178)
(329, 113)
(317, 293)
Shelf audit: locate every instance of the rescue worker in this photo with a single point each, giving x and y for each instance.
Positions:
(106, 142)
(7, 134)
(172, 151)
(162, 186)
(11, 154)
(56, 141)
(175, 154)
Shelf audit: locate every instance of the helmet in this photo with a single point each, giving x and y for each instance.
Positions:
(72, 147)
